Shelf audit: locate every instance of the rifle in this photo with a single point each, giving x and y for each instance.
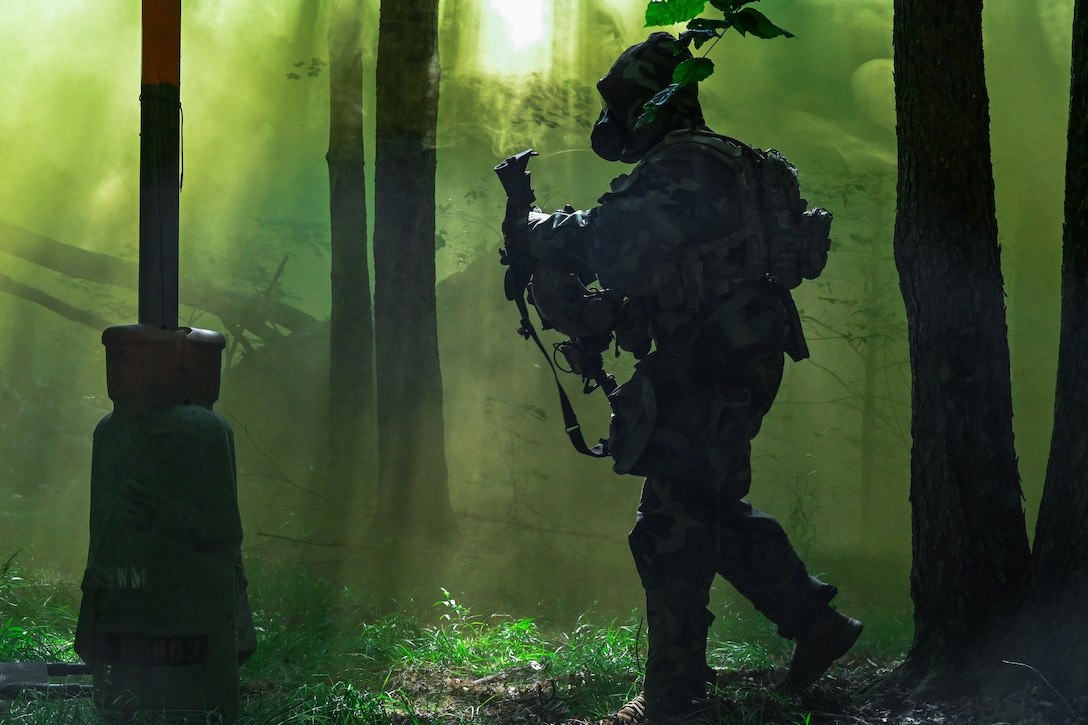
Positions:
(519, 202)
(514, 175)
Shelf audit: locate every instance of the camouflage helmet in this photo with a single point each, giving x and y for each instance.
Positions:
(638, 75)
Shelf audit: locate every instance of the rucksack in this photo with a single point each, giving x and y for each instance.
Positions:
(795, 242)
(781, 238)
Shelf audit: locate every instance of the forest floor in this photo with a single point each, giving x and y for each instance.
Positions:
(327, 655)
(523, 695)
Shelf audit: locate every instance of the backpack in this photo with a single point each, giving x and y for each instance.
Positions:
(794, 242)
(782, 239)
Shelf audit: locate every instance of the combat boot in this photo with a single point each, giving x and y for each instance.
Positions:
(676, 670)
(825, 639)
(703, 710)
(641, 712)
(633, 713)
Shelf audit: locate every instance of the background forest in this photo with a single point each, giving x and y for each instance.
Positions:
(539, 527)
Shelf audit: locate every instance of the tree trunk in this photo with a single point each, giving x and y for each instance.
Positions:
(1059, 574)
(871, 351)
(351, 331)
(413, 493)
(970, 542)
(874, 343)
(1063, 514)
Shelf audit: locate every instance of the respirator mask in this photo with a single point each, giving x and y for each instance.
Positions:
(609, 138)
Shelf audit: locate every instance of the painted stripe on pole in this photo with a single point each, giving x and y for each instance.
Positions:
(161, 42)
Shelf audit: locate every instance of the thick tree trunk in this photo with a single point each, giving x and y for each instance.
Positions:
(413, 493)
(1063, 514)
(970, 542)
(1059, 576)
(351, 331)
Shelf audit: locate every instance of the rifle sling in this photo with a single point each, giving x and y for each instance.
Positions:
(570, 420)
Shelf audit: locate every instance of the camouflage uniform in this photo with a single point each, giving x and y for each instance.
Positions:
(718, 337)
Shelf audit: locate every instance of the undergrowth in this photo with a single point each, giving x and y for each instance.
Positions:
(36, 618)
(329, 655)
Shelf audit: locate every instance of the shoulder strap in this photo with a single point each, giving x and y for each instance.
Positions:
(725, 145)
(570, 420)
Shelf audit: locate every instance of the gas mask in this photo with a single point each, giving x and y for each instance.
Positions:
(609, 138)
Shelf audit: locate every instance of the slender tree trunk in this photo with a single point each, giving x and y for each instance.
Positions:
(874, 345)
(874, 356)
(351, 332)
(413, 493)
(970, 543)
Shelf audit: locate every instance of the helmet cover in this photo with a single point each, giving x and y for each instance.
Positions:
(640, 73)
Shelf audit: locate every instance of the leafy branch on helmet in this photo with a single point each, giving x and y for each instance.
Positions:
(735, 15)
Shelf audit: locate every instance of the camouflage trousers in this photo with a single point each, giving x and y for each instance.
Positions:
(693, 526)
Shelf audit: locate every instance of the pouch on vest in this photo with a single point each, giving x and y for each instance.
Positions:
(663, 421)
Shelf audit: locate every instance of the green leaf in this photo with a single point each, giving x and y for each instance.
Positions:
(649, 111)
(670, 12)
(699, 35)
(750, 20)
(691, 70)
(708, 25)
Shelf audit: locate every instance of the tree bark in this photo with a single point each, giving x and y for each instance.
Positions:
(351, 331)
(970, 542)
(1063, 513)
(413, 492)
(1058, 646)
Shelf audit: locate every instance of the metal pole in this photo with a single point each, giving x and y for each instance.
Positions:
(160, 163)
(164, 621)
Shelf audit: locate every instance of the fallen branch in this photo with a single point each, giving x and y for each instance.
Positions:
(51, 303)
(250, 312)
(1068, 705)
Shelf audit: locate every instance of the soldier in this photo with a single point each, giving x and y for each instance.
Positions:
(674, 241)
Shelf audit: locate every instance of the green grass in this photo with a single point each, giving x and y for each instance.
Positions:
(36, 618)
(327, 654)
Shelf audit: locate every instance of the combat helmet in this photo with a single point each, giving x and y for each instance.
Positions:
(638, 75)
